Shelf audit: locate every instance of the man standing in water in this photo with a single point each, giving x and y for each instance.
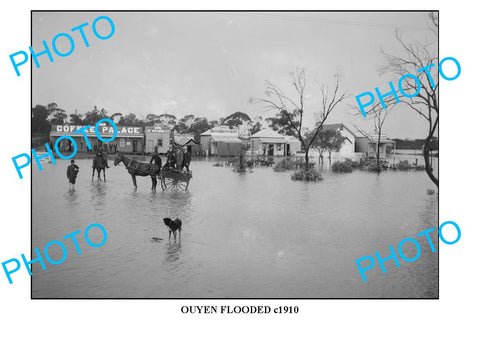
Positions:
(156, 158)
(72, 172)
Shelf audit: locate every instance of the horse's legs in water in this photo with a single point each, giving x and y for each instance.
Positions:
(154, 182)
(98, 174)
(134, 180)
(93, 173)
(104, 175)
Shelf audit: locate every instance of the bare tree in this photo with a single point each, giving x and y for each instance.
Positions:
(293, 109)
(420, 57)
(378, 114)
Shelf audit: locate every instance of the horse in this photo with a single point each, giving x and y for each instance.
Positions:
(99, 164)
(136, 168)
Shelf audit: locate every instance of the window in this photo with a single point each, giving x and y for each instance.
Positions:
(122, 142)
(160, 143)
(279, 147)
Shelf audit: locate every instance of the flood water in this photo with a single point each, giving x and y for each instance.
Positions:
(252, 235)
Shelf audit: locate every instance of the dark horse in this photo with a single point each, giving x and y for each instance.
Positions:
(99, 163)
(136, 168)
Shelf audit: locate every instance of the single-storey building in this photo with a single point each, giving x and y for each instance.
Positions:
(187, 141)
(293, 146)
(368, 145)
(157, 136)
(129, 138)
(267, 142)
(347, 149)
(220, 141)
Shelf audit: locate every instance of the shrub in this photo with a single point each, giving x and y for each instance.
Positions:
(307, 175)
(403, 165)
(342, 166)
(355, 164)
(284, 164)
(373, 167)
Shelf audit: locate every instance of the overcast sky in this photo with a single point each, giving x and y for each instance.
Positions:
(211, 64)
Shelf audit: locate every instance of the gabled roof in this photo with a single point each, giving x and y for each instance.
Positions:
(220, 130)
(182, 139)
(267, 133)
(270, 140)
(225, 138)
(336, 127)
(292, 139)
(190, 142)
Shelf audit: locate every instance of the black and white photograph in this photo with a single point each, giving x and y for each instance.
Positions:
(235, 154)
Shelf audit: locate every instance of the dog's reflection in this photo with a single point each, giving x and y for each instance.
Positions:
(173, 250)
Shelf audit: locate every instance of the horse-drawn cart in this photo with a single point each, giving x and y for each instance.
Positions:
(174, 180)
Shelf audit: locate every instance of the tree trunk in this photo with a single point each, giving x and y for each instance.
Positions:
(378, 151)
(306, 160)
(428, 164)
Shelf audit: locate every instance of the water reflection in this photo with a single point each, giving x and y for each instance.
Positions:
(256, 234)
(71, 197)
(173, 250)
(98, 190)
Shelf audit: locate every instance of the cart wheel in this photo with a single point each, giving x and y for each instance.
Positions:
(174, 184)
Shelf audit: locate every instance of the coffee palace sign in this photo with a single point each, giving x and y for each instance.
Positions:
(102, 129)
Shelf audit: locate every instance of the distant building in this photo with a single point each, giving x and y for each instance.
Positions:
(129, 138)
(220, 141)
(187, 141)
(293, 146)
(267, 142)
(347, 149)
(368, 145)
(157, 136)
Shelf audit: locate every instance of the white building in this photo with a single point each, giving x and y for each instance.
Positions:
(267, 142)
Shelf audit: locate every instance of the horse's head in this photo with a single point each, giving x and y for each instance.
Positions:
(118, 159)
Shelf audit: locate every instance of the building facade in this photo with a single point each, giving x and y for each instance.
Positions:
(220, 141)
(347, 149)
(368, 146)
(267, 142)
(157, 136)
(129, 138)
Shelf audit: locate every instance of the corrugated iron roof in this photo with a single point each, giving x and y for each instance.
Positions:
(273, 140)
(267, 133)
(225, 138)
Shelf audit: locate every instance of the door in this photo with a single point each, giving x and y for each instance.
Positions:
(270, 149)
(134, 146)
(150, 145)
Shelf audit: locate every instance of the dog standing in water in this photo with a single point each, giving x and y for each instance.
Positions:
(173, 226)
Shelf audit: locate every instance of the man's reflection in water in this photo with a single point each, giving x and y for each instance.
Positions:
(71, 197)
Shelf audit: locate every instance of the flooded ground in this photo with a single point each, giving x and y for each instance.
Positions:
(257, 234)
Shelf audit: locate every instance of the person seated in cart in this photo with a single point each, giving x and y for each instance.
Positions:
(171, 158)
(179, 152)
